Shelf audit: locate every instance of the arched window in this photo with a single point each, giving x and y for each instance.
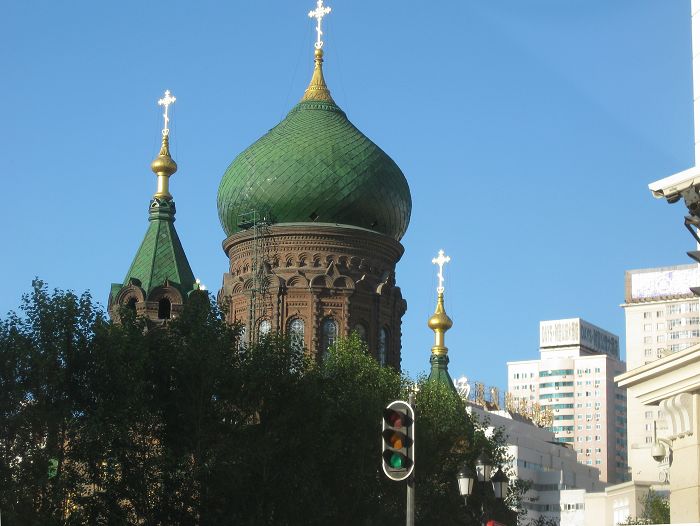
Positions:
(131, 304)
(242, 337)
(295, 332)
(382, 347)
(329, 333)
(264, 328)
(361, 331)
(164, 309)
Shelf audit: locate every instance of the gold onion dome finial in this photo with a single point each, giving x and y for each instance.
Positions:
(163, 165)
(440, 322)
(317, 89)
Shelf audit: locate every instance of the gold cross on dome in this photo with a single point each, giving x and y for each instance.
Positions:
(166, 101)
(318, 14)
(440, 261)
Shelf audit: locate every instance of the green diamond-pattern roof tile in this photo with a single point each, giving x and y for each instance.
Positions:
(161, 256)
(317, 162)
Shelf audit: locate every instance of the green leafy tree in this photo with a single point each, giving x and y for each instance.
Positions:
(655, 510)
(179, 425)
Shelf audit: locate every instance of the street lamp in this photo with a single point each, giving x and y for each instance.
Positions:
(483, 468)
(500, 484)
(466, 478)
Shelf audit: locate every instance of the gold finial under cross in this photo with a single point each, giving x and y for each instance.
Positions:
(318, 14)
(166, 101)
(440, 261)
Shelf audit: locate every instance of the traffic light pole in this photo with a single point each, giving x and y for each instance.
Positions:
(411, 482)
(410, 500)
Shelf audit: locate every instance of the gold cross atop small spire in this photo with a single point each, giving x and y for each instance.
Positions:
(440, 322)
(317, 90)
(163, 165)
(440, 261)
(318, 14)
(166, 101)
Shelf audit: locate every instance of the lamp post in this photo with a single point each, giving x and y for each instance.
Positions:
(481, 473)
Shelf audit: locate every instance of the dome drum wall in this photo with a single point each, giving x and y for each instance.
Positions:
(316, 272)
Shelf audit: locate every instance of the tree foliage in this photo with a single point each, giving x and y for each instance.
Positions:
(655, 510)
(182, 426)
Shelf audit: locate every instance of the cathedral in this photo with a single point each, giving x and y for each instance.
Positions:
(312, 214)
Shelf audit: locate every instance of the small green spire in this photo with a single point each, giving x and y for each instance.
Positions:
(160, 260)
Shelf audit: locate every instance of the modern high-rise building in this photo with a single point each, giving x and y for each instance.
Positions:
(574, 379)
(661, 318)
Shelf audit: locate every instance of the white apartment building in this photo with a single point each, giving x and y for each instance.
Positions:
(661, 318)
(559, 482)
(574, 379)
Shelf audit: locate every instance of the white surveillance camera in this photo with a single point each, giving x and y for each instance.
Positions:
(658, 451)
(685, 184)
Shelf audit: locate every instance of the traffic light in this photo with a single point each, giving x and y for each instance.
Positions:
(398, 428)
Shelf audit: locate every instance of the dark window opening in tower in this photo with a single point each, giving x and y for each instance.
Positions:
(164, 308)
(131, 304)
(295, 332)
(381, 348)
(329, 333)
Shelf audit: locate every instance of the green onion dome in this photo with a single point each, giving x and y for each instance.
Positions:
(316, 166)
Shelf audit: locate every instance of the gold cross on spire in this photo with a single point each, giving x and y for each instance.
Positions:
(318, 14)
(166, 101)
(440, 261)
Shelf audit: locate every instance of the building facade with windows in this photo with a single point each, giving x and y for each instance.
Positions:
(574, 379)
(661, 318)
(559, 482)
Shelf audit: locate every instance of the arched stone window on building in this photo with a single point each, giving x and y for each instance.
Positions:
(295, 332)
(329, 333)
(242, 337)
(361, 331)
(382, 346)
(264, 328)
(164, 309)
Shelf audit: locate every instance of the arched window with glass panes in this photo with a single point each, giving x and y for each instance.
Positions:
(242, 337)
(382, 346)
(295, 333)
(264, 328)
(329, 333)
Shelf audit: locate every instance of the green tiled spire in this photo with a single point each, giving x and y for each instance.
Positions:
(316, 166)
(161, 256)
(160, 260)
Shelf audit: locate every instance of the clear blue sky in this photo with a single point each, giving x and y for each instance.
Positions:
(528, 131)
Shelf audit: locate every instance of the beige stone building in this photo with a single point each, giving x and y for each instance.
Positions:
(672, 384)
(661, 318)
(574, 378)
